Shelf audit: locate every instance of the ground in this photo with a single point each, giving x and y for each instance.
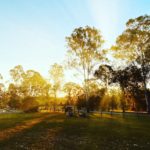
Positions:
(54, 131)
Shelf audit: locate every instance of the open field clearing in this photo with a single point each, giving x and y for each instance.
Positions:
(53, 131)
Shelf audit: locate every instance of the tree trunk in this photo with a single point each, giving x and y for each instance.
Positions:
(55, 101)
(144, 82)
(145, 91)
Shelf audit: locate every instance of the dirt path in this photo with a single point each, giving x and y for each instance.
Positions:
(37, 134)
(8, 133)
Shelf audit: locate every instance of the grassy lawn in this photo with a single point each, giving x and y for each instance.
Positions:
(56, 132)
(11, 120)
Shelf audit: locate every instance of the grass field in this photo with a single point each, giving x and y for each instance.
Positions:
(53, 131)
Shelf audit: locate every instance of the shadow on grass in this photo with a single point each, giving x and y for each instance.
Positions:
(56, 132)
(8, 121)
(36, 134)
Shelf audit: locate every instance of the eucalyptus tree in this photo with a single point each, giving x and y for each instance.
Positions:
(1, 84)
(130, 80)
(26, 85)
(15, 93)
(133, 45)
(2, 92)
(84, 52)
(72, 90)
(35, 85)
(17, 75)
(57, 76)
(104, 73)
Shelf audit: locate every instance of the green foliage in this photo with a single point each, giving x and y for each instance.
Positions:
(14, 96)
(104, 73)
(81, 102)
(3, 94)
(131, 83)
(92, 104)
(30, 104)
(34, 84)
(83, 45)
(17, 74)
(72, 90)
(15, 103)
(27, 85)
(84, 51)
(133, 45)
(134, 42)
(56, 74)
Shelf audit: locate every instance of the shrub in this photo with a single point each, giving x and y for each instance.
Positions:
(30, 104)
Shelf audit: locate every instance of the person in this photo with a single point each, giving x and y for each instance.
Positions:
(69, 111)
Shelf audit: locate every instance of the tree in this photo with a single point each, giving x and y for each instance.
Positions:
(34, 85)
(134, 45)
(56, 74)
(114, 100)
(30, 104)
(15, 99)
(72, 90)
(104, 73)
(93, 102)
(2, 93)
(26, 84)
(84, 48)
(131, 82)
(17, 74)
(14, 89)
(122, 77)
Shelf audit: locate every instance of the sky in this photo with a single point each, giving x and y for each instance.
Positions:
(32, 32)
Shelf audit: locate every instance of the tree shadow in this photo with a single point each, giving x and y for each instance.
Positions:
(56, 132)
(33, 135)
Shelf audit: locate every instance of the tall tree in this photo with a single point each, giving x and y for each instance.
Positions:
(1, 92)
(56, 74)
(15, 96)
(26, 85)
(14, 89)
(134, 45)
(131, 81)
(17, 74)
(84, 48)
(72, 90)
(35, 85)
(1, 84)
(104, 73)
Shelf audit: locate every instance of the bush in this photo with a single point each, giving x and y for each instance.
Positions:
(92, 104)
(30, 104)
(14, 103)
